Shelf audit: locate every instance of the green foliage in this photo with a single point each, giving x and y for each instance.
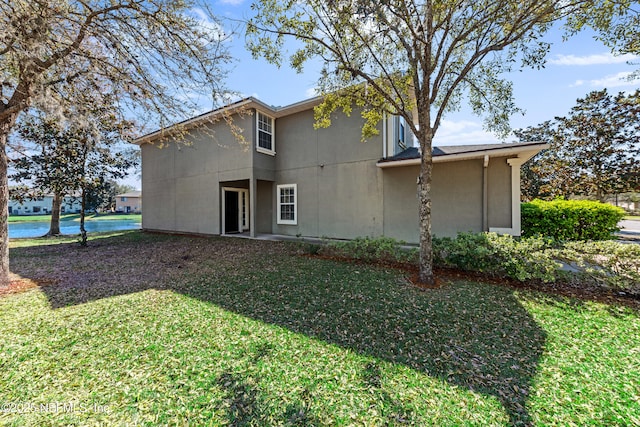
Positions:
(615, 21)
(607, 263)
(74, 157)
(385, 249)
(593, 150)
(497, 255)
(601, 264)
(570, 219)
(529, 259)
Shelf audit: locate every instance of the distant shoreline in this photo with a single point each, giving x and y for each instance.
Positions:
(75, 217)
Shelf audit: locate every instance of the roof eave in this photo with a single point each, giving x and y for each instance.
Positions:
(523, 152)
(203, 118)
(243, 104)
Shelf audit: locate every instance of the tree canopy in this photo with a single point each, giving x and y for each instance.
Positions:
(617, 23)
(416, 59)
(149, 55)
(595, 149)
(68, 159)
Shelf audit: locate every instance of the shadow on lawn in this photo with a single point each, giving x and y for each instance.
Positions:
(472, 335)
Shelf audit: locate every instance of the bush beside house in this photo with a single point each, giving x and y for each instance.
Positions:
(605, 264)
(570, 220)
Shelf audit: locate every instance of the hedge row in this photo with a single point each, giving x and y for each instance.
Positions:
(608, 264)
(568, 220)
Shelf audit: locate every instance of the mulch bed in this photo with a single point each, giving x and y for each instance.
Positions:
(152, 261)
(446, 275)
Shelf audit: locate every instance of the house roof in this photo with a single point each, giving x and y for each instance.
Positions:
(130, 194)
(411, 156)
(242, 105)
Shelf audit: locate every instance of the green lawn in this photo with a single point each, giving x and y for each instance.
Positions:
(632, 217)
(76, 217)
(144, 329)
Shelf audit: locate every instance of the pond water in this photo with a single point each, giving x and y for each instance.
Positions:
(40, 228)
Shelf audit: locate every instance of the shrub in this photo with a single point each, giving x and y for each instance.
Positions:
(611, 264)
(369, 249)
(570, 219)
(497, 255)
(606, 264)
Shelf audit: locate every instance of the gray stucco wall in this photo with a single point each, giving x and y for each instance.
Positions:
(180, 182)
(264, 200)
(456, 198)
(499, 193)
(401, 203)
(339, 187)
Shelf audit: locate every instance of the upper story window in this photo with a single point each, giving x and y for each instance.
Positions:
(402, 143)
(266, 139)
(397, 136)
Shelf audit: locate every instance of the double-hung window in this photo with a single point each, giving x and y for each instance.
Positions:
(266, 138)
(288, 204)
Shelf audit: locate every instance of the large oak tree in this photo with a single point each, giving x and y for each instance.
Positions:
(417, 59)
(69, 158)
(149, 54)
(595, 149)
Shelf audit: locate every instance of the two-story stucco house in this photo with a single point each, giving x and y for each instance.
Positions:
(130, 202)
(291, 179)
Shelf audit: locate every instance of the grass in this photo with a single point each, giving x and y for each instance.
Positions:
(76, 217)
(632, 217)
(63, 239)
(143, 329)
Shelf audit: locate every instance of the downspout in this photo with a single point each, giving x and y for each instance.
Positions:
(384, 136)
(485, 194)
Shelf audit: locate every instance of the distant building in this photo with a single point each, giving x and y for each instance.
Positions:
(130, 202)
(42, 206)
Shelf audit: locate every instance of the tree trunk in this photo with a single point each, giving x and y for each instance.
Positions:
(426, 248)
(54, 227)
(83, 232)
(5, 129)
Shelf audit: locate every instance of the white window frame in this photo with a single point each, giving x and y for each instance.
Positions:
(260, 149)
(295, 204)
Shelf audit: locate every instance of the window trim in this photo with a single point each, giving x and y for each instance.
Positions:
(295, 204)
(260, 149)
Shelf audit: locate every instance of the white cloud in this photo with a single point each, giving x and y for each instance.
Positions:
(312, 92)
(620, 79)
(595, 59)
(207, 24)
(463, 132)
(232, 2)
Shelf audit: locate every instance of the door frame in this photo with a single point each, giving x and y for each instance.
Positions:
(243, 201)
